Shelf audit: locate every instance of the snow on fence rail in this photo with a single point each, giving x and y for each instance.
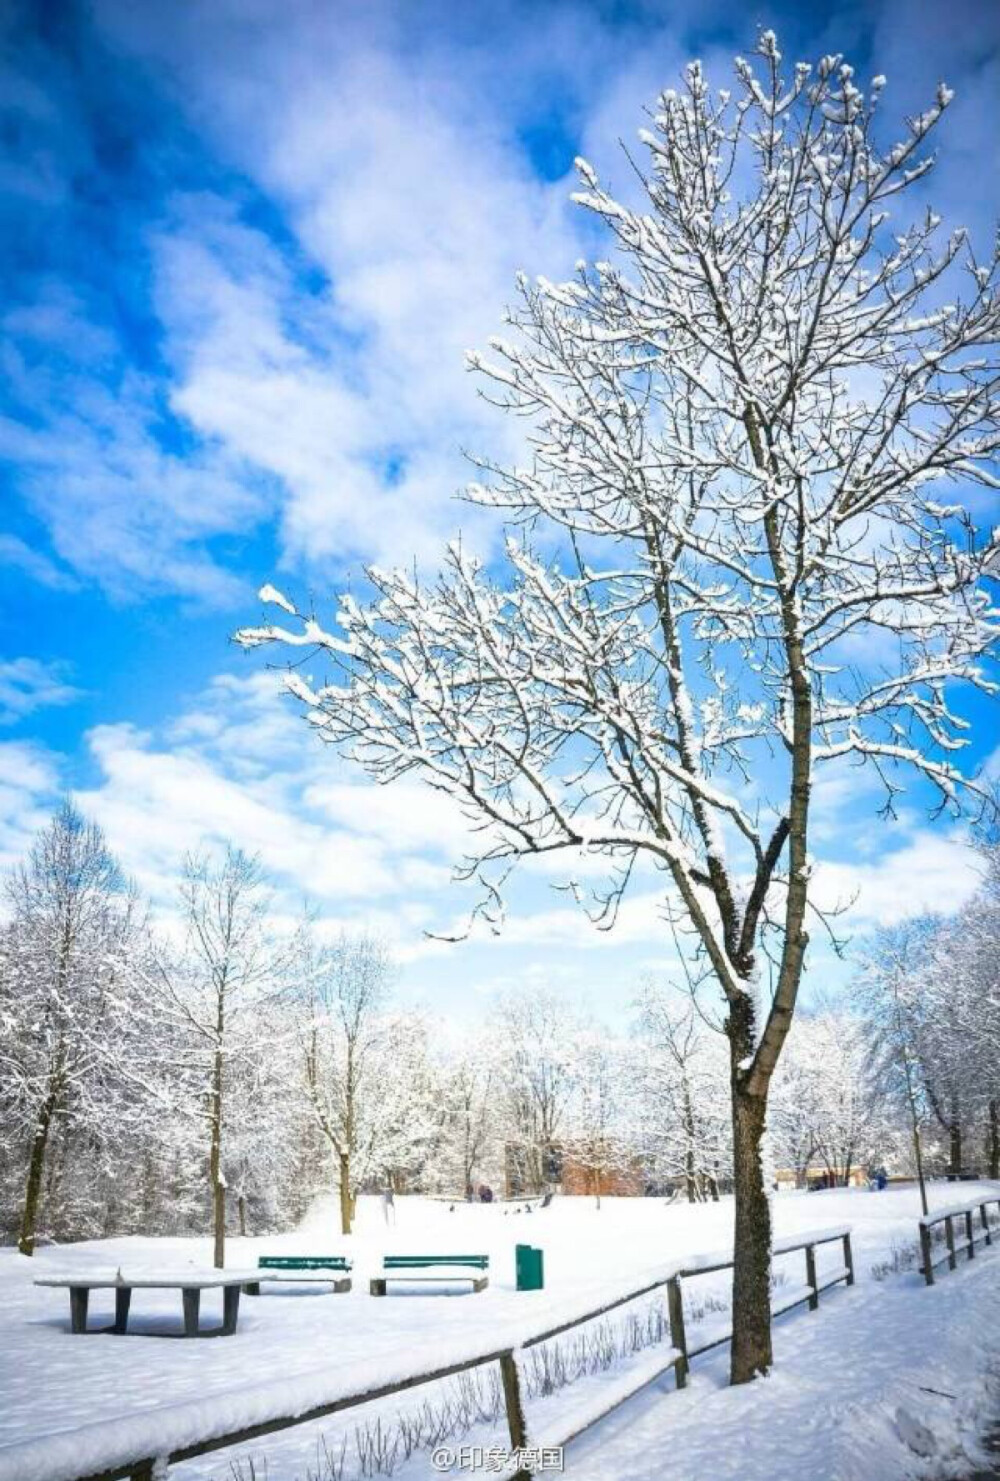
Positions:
(127, 1449)
(947, 1216)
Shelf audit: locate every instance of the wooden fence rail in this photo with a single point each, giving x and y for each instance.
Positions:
(155, 1467)
(809, 1294)
(965, 1213)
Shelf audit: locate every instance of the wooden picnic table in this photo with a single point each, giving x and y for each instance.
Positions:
(190, 1286)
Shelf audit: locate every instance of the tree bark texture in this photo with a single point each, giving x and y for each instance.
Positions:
(750, 1354)
(346, 1200)
(36, 1168)
(215, 1168)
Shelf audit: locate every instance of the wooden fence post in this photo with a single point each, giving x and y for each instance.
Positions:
(969, 1234)
(678, 1339)
(516, 1425)
(987, 1237)
(949, 1234)
(811, 1280)
(848, 1259)
(925, 1249)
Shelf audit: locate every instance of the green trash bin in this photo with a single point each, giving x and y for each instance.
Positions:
(528, 1264)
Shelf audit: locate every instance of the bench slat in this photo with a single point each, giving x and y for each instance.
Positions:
(304, 1262)
(416, 1262)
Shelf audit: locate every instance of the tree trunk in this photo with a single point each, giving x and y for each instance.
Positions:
(346, 1201)
(241, 1204)
(60, 1219)
(689, 1177)
(919, 1158)
(467, 1168)
(215, 1168)
(218, 1224)
(751, 1345)
(914, 1116)
(994, 1139)
(955, 1148)
(36, 1167)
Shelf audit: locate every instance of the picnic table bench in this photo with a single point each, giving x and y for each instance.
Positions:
(190, 1286)
(302, 1268)
(432, 1268)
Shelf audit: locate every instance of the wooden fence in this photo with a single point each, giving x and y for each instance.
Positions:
(155, 1467)
(808, 1293)
(965, 1214)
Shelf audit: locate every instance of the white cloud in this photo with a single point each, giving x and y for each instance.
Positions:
(28, 684)
(334, 362)
(240, 767)
(155, 805)
(119, 508)
(29, 786)
(16, 553)
(405, 815)
(366, 382)
(932, 872)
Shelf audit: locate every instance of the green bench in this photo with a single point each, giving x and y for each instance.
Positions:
(303, 1269)
(443, 1269)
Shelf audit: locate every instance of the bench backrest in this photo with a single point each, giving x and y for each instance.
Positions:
(417, 1262)
(303, 1262)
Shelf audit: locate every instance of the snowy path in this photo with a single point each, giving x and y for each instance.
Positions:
(830, 1410)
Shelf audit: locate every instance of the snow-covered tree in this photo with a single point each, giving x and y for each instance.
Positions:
(538, 1035)
(793, 1111)
(599, 1133)
(826, 1103)
(213, 992)
(892, 974)
(739, 553)
(405, 1122)
(366, 1072)
(64, 997)
(682, 1091)
(960, 1024)
(469, 1134)
(978, 1011)
(271, 1163)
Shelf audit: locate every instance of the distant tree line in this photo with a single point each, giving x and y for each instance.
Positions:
(216, 1070)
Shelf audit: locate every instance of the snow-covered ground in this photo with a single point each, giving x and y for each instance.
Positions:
(882, 1372)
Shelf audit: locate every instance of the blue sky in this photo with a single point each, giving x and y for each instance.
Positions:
(245, 245)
